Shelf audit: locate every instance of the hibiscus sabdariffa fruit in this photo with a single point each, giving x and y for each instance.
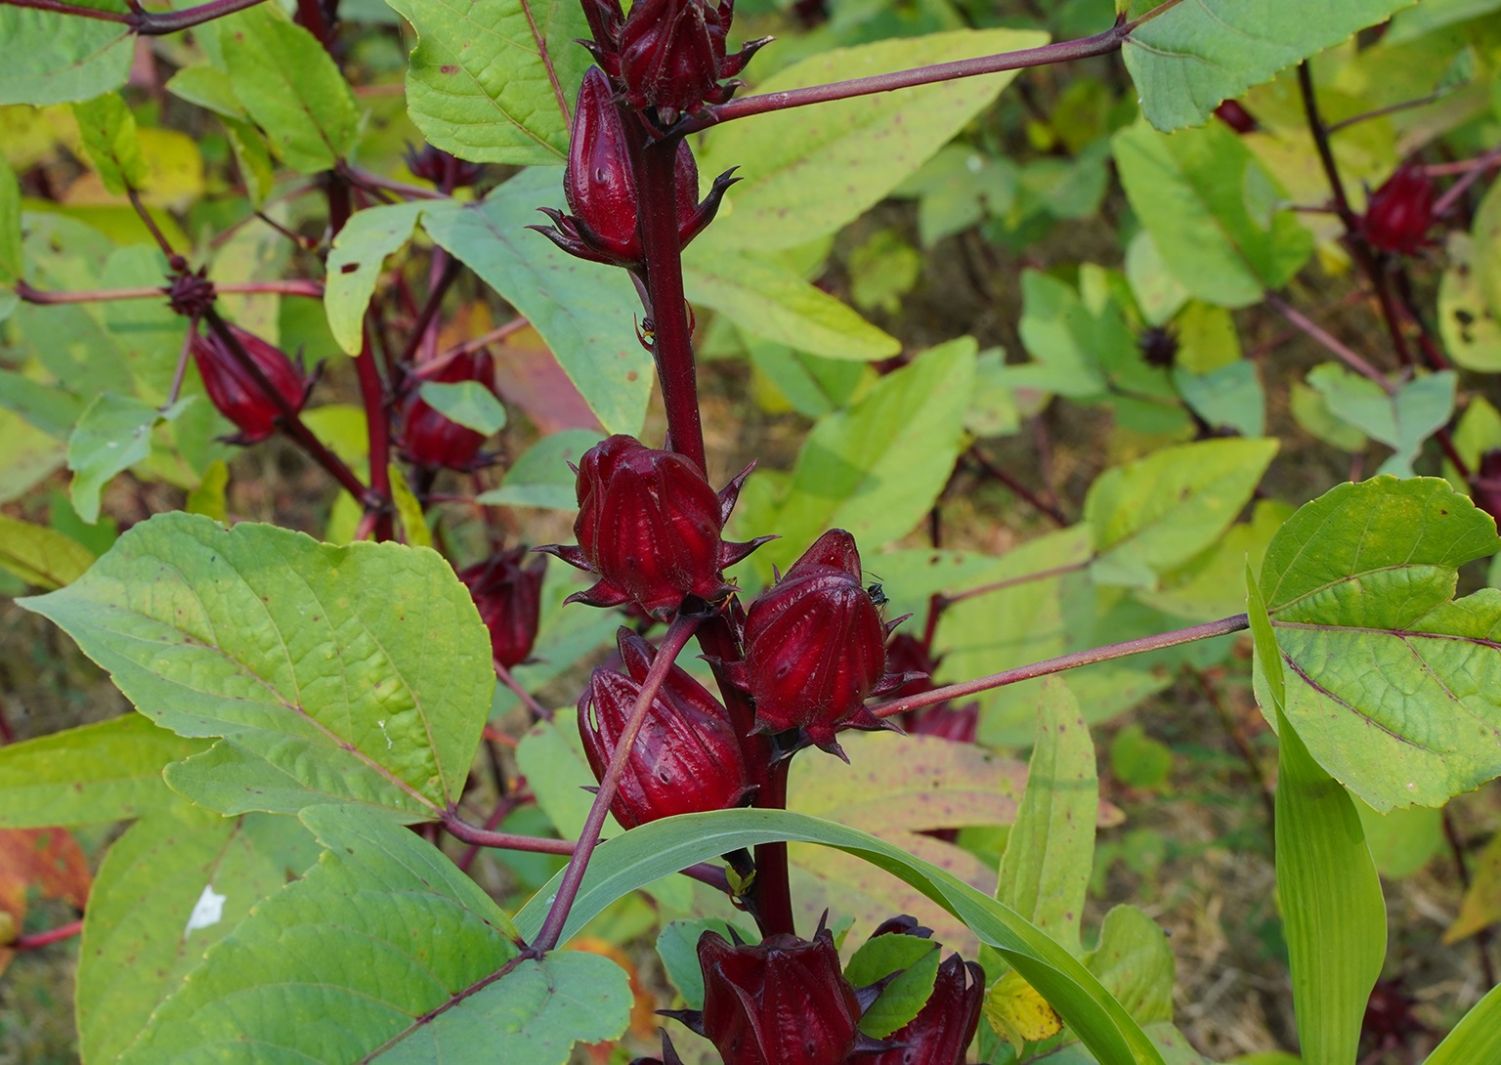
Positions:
(508, 596)
(234, 390)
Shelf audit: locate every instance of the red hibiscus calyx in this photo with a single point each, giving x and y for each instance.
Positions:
(430, 438)
(1400, 212)
(508, 596)
(234, 390)
(651, 529)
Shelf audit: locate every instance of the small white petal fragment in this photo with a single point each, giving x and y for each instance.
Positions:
(207, 911)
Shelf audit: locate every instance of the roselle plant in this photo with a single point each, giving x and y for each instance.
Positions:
(406, 790)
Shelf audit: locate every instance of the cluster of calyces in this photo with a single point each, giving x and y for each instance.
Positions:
(600, 185)
(786, 1001)
(651, 530)
(1399, 213)
(910, 657)
(668, 57)
(237, 387)
(686, 757)
(427, 437)
(507, 591)
(815, 649)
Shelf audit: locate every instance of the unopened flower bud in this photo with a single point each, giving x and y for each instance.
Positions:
(601, 187)
(1485, 483)
(1400, 213)
(686, 757)
(441, 168)
(783, 1001)
(815, 645)
(429, 437)
(234, 390)
(941, 1032)
(671, 57)
(509, 598)
(650, 527)
(1234, 115)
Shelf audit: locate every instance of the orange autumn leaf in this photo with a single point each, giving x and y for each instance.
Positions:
(43, 861)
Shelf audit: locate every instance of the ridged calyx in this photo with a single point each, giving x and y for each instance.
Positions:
(441, 168)
(815, 646)
(432, 439)
(1400, 213)
(941, 1032)
(686, 758)
(234, 391)
(508, 596)
(650, 527)
(906, 655)
(600, 185)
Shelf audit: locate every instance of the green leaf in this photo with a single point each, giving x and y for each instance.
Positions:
(1466, 319)
(770, 301)
(646, 853)
(469, 403)
(108, 131)
(876, 468)
(1230, 397)
(1328, 890)
(584, 311)
(1135, 963)
(111, 771)
(1194, 55)
(1402, 420)
(317, 659)
(1391, 684)
(113, 434)
(1154, 514)
(914, 960)
(290, 87)
(1476, 1038)
(354, 265)
(540, 477)
(1064, 337)
(11, 260)
(169, 889)
(809, 171)
(493, 80)
(1215, 213)
(551, 757)
(40, 556)
(348, 963)
(54, 58)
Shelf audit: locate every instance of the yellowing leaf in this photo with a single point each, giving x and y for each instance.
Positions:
(1482, 902)
(1018, 1014)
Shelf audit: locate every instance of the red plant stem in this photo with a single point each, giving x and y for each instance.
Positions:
(1012, 582)
(1018, 489)
(1060, 52)
(494, 336)
(773, 888)
(291, 422)
(310, 289)
(429, 313)
(145, 23)
(151, 226)
(461, 830)
(377, 425)
(672, 342)
(1389, 109)
(7, 734)
(1330, 342)
(1074, 660)
(38, 940)
(678, 635)
(1474, 170)
(367, 179)
(540, 712)
(310, 14)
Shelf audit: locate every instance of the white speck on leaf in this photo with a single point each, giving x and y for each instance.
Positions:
(207, 911)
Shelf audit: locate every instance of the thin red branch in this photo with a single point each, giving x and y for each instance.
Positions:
(38, 940)
(1330, 342)
(29, 294)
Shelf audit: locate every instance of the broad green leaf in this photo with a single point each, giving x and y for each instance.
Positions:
(54, 58)
(290, 87)
(1217, 216)
(1476, 1038)
(318, 659)
(585, 312)
(876, 468)
(40, 556)
(1230, 397)
(540, 476)
(11, 260)
(770, 301)
(108, 130)
(1135, 963)
(113, 434)
(494, 80)
(912, 964)
(28, 456)
(1467, 321)
(551, 757)
(531, 1016)
(644, 854)
(1155, 514)
(169, 889)
(1328, 890)
(1392, 685)
(1050, 849)
(1064, 338)
(469, 403)
(1402, 420)
(355, 262)
(1403, 840)
(1208, 586)
(809, 171)
(1430, 15)
(1196, 54)
(111, 771)
(346, 962)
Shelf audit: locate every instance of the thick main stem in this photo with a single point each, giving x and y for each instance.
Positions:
(548, 936)
(1074, 660)
(772, 889)
(672, 336)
